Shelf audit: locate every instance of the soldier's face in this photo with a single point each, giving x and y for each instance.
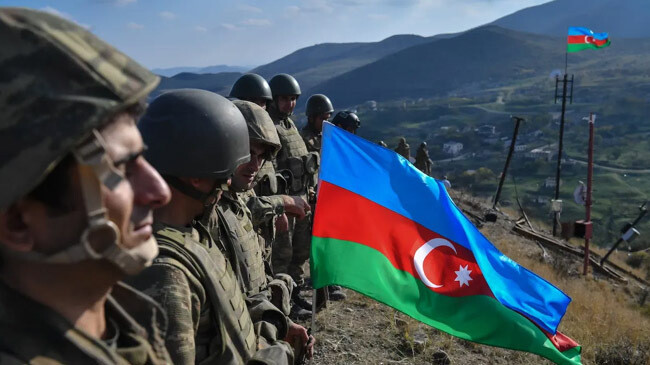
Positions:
(130, 205)
(286, 103)
(319, 119)
(244, 177)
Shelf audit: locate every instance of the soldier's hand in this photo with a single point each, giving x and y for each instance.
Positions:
(296, 206)
(282, 223)
(301, 342)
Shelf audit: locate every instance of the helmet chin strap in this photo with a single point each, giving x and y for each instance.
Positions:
(101, 238)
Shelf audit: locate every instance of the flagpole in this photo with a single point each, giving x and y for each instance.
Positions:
(566, 61)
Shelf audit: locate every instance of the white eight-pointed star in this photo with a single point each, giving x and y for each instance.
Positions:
(462, 275)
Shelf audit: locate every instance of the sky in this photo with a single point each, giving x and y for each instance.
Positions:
(172, 33)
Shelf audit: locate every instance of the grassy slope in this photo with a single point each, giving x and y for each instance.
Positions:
(603, 317)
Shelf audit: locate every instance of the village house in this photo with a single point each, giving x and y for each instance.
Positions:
(452, 148)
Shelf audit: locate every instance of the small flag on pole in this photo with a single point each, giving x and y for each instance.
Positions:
(386, 230)
(581, 38)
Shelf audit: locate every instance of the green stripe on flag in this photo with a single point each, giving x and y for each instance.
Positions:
(577, 47)
(477, 318)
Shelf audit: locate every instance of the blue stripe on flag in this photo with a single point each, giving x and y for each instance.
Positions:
(388, 179)
(587, 31)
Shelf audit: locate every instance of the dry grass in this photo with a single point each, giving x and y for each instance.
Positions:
(605, 318)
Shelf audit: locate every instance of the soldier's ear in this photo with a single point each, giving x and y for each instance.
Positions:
(14, 232)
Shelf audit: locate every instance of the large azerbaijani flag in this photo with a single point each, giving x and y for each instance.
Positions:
(386, 230)
(580, 38)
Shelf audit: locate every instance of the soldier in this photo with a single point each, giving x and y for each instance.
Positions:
(252, 87)
(319, 109)
(348, 121)
(422, 160)
(446, 182)
(196, 140)
(240, 237)
(403, 148)
(76, 200)
(291, 248)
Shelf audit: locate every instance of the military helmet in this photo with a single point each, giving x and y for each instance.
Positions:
(195, 133)
(346, 120)
(284, 84)
(251, 86)
(58, 83)
(260, 126)
(318, 104)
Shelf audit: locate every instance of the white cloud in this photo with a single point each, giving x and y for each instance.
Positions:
(292, 10)
(249, 8)
(256, 22)
(229, 26)
(63, 15)
(124, 2)
(134, 26)
(167, 15)
(200, 29)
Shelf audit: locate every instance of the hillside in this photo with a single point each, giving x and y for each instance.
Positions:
(219, 83)
(605, 317)
(311, 65)
(173, 71)
(478, 59)
(621, 18)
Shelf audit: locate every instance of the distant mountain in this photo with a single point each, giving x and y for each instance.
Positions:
(173, 71)
(312, 65)
(620, 18)
(219, 83)
(481, 58)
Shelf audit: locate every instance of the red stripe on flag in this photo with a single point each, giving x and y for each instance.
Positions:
(344, 215)
(585, 39)
(561, 341)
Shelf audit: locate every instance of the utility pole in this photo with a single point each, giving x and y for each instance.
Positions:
(590, 174)
(556, 202)
(517, 120)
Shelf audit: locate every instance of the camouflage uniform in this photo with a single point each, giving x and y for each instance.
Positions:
(312, 138)
(291, 248)
(58, 84)
(32, 333)
(208, 319)
(404, 149)
(248, 247)
(422, 160)
(265, 205)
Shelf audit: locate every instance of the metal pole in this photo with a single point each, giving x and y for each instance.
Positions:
(642, 213)
(505, 168)
(590, 173)
(559, 153)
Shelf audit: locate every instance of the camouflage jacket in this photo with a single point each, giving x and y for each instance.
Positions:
(422, 161)
(264, 211)
(247, 249)
(208, 319)
(35, 334)
(312, 138)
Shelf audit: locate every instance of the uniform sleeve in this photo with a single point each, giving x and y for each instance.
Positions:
(181, 300)
(264, 208)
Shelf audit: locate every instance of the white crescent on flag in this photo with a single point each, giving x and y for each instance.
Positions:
(423, 252)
